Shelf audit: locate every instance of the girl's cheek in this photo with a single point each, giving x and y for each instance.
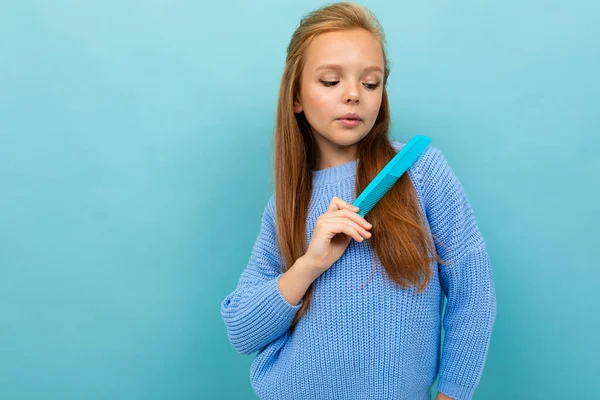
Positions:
(322, 99)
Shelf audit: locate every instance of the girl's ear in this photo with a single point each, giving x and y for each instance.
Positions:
(297, 106)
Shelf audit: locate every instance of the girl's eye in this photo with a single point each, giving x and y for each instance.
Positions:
(370, 86)
(329, 83)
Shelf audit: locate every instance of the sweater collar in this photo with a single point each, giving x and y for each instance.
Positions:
(334, 174)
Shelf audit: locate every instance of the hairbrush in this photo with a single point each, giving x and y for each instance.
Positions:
(393, 170)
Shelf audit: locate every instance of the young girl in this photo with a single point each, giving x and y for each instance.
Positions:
(357, 313)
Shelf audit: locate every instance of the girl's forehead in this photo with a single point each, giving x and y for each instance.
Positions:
(344, 49)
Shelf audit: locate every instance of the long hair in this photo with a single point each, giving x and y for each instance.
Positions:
(400, 239)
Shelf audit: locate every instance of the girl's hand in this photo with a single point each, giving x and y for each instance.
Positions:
(332, 233)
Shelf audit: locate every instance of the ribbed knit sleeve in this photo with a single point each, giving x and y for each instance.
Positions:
(256, 313)
(468, 282)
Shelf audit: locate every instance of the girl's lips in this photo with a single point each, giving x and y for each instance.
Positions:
(351, 123)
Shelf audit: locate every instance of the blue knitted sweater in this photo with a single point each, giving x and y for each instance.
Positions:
(381, 341)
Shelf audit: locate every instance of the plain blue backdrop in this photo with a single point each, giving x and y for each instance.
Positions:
(135, 163)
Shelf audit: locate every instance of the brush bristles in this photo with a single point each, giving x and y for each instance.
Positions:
(378, 192)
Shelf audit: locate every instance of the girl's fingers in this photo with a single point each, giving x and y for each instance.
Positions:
(348, 230)
(362, 231)
(339, 204)
(350, 215)
(349, 227)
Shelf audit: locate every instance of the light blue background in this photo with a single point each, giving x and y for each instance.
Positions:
(135, 163)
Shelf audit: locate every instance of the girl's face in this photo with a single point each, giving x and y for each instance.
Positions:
(343, 73)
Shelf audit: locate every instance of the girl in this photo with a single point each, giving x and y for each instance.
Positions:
(358, 319)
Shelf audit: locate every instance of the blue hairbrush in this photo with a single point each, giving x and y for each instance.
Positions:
(386, 178)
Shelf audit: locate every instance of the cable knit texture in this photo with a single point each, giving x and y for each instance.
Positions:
(381, 341)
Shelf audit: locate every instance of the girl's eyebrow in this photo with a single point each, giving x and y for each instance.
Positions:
(339, 67)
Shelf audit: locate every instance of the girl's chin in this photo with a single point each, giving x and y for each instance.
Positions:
(345, 138)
